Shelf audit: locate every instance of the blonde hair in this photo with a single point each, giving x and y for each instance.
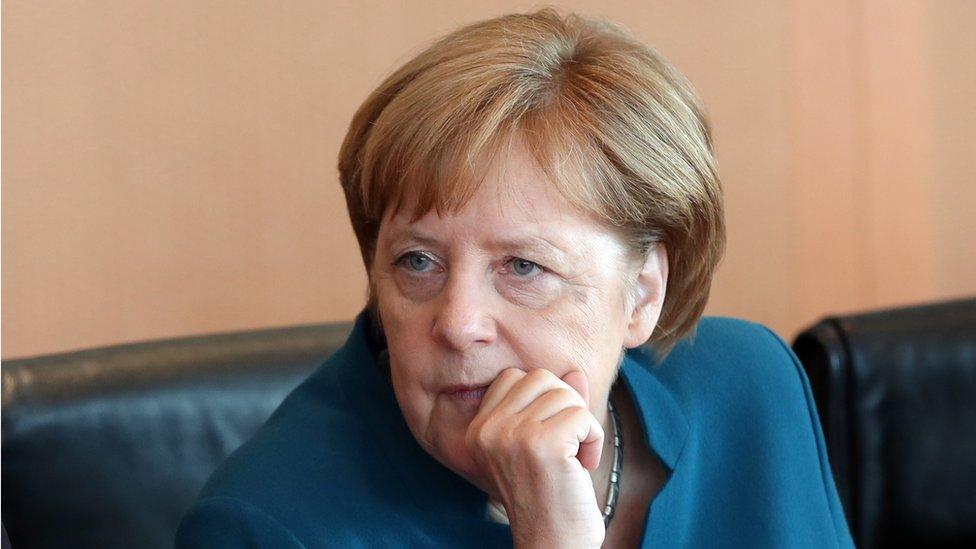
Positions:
(618, 131)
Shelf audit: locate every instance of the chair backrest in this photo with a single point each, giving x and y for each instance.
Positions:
(896, 394)
(108, 447)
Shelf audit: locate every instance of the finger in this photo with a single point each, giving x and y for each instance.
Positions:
(535, 383)
(582, 434)
(552, 402)
(578, 380)
(499, 388)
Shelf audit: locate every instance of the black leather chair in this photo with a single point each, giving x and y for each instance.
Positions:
(107, 447)
(896, 394)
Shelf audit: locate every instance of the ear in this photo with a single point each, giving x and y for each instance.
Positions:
(652, 281)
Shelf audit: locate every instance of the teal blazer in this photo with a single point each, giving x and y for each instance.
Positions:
(729, 413)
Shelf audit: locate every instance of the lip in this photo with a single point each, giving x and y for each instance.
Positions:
(467, 392)
(465, 387)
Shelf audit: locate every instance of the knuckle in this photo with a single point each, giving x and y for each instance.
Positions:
(581, 412)
(576, 413)
(566, 395)
(511, 373)
(540, 374)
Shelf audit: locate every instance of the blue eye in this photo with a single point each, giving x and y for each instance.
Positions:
(523, 267)
(416, 262)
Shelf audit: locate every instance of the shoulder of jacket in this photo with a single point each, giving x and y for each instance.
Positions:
(726, 363)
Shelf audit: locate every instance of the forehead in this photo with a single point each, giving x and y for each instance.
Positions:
(515, 196)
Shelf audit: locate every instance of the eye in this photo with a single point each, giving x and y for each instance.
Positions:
(524, 267)
(416, 262)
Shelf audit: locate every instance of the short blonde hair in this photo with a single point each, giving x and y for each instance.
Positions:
(618, 131)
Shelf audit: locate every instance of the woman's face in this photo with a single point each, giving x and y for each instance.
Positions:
(518, 279)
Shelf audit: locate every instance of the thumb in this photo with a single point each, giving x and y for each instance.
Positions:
(578, 381)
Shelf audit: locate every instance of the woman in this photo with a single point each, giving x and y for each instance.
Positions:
(537, 207)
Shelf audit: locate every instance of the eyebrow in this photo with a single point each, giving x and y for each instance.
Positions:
(537, 245)
(414, 235)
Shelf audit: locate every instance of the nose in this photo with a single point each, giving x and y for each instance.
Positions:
(463, 319)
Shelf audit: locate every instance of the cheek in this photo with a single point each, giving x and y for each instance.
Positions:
(403, 320)
(577, 331)
(410, 352)
(408, 386)
(410, 365)
(411, 379)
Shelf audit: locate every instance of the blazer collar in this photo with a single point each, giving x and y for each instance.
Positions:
(665, 422)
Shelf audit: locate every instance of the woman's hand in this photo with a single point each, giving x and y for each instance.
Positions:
(535, 438)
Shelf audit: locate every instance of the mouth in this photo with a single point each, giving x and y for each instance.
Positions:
(467, 393)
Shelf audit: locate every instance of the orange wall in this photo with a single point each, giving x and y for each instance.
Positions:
(169, 168)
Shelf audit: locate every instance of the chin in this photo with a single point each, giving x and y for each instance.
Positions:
(440, 431)
(453, 454)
